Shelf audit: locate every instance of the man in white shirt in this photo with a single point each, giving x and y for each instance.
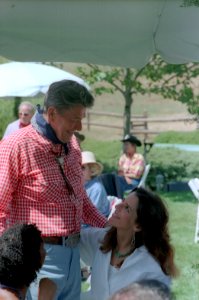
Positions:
(26, 111)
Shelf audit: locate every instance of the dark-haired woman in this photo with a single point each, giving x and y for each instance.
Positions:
(136, 247)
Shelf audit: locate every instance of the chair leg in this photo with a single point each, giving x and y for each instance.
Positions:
(196, 239)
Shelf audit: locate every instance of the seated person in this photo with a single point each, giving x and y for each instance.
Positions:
(21, 256)
(131, 164)
(136, 246)
(94, 188)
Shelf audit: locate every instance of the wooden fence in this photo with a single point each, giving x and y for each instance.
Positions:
(140, 124)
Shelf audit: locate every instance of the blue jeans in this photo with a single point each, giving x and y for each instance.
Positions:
(124, 186)
(62, 265)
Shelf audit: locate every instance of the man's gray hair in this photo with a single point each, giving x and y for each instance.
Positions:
(30, 106)
(144, 290)
(66, 94)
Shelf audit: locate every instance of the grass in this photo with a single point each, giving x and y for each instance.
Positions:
(182, 206)
(182, 209)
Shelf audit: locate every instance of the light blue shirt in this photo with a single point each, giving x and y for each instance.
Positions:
(107, 280)
(97, 194)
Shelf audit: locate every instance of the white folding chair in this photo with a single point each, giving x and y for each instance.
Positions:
(142, 182)
(194, 186)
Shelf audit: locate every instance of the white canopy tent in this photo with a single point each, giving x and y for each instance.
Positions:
(108, 32)
(25, 79)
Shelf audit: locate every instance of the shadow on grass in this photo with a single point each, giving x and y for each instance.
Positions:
(179, 196)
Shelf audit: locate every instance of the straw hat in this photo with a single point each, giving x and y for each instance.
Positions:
(88, 157)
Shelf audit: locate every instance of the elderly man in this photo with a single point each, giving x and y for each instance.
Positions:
(26, 111)
(41, 183)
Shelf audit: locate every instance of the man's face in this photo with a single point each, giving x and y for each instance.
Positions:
(66, 122)
(25, 114)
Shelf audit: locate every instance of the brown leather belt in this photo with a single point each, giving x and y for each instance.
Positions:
(55, 240)
(67, 241)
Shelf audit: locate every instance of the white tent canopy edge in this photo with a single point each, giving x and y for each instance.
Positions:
(107, 32)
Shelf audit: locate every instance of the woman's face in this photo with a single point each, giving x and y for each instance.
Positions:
(86, 173)
(125, 214)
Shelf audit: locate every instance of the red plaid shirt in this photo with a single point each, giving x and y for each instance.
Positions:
(32, 188)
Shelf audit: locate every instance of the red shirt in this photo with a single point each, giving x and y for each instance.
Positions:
(32, 189)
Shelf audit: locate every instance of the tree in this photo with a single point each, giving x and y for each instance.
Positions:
(157, 77)
(187, 3)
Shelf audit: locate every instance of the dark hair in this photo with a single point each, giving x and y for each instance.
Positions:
(152, 216)
(65, 94)
(20, 256)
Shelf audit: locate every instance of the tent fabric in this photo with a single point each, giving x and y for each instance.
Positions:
(25, 79)
(108, 32)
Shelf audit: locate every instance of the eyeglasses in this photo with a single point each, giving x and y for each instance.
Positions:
(24, 114)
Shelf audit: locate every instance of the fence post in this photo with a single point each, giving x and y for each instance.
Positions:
(88, 120)
(145, 125)
(197, 122)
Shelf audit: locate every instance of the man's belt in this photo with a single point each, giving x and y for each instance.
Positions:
(70, 241)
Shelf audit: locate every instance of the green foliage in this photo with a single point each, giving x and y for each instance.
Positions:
(6, 114)
(187, 3)
(106, 152)
(157, 77)
(182, 210)
(173, 82)
(174, 137)
(173, 164)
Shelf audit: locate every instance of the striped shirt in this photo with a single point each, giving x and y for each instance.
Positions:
(32, 188)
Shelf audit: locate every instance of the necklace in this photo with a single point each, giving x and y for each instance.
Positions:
(121, 255)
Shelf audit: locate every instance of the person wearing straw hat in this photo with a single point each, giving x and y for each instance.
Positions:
(131, 164)
(94, 188)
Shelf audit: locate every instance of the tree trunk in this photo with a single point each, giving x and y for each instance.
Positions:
(128, 102)
(127, 114)
(17, 102)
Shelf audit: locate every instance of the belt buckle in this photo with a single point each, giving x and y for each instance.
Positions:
(72, 240)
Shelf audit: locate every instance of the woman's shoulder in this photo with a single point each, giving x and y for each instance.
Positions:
(148, 267)
(147, 259)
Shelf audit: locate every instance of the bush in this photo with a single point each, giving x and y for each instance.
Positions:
(173, 164)
(174, 137)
